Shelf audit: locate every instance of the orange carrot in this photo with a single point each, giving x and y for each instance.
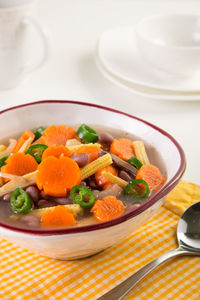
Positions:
(151, 174)
(19, 164)
(107, 208)
(41, 140)
(58, 135)
(91, 150)
(58, 216)
(56, 151)
(123, 148)
(101, 180)
(57, 175)
(23, 138)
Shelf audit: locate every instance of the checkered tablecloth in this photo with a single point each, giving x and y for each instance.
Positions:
(24, 275)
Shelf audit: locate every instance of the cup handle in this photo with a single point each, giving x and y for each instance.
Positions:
(41, 32)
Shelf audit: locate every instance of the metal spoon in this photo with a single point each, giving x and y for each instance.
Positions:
(188, 235)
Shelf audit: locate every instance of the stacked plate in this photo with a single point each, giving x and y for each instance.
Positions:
(120, 60)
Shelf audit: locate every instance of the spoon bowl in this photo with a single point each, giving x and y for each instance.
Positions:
(188, 229)
(188, 236)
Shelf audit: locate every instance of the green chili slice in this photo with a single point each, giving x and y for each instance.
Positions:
(3, 160)
(87, 134)
(38, 133)
(133, 188)
(135, 162)
(82, 196)
(36, 151)
(20, 201)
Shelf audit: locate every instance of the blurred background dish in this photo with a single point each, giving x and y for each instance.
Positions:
(171, 42)
(118, 53)
(144, 91)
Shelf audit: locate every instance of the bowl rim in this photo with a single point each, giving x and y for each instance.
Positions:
(153, 199)
(140, 34)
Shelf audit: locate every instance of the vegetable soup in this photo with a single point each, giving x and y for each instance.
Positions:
(59, 176)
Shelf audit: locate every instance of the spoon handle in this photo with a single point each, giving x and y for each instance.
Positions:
(123, 288)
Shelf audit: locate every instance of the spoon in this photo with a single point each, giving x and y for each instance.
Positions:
(188, 235)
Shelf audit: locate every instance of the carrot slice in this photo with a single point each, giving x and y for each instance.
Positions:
(19, 164)
(57, 175)
(123, 148)
(107, 208)
(58, 216)
(41, 140)
(58, 135)
(23, 138)
(56, 151)
(101, 180)
(151, 174)
(92, 151)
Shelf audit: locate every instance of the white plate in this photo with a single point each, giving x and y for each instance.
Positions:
(117, 50)
(142, 90)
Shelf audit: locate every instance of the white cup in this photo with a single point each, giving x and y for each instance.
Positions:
(14, 22)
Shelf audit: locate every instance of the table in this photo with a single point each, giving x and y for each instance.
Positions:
(71, 73)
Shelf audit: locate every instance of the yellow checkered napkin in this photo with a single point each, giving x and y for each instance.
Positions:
(25, 275)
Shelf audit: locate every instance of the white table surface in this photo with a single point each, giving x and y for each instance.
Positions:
(70, 72)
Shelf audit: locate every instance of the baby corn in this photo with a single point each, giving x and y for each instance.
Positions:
(95, 165)
(9, 149)
(26, 145)
(20, 181)
(2, 148)
(72, 142)
(140, 152)
(115, 180)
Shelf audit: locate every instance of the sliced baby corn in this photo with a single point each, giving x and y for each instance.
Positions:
(115, 179)
(76, 209)
(26, 145)
(17, 181)
(72, 142)
(95, 165)
(9, 149)
(140, 152)
(2, 148)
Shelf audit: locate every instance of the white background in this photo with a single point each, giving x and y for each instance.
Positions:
(74, 27)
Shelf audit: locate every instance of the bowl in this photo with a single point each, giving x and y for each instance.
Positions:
(171, 42)
(79, 242)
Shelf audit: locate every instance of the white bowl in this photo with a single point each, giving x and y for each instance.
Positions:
(171, 43)
(83, 241)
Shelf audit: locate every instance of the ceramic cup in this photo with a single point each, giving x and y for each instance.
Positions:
(14, 41)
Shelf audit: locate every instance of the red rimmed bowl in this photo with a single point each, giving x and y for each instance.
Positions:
(78, 242)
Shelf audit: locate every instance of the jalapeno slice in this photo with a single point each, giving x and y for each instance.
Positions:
(133, 188)
(38, 133)
(20, 201)
(36, 151)
(82, 196)
(135, 162)
(87, 134)
(3, 160)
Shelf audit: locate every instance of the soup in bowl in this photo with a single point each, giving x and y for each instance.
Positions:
(77, 178)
